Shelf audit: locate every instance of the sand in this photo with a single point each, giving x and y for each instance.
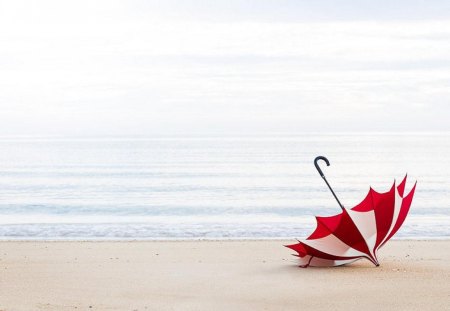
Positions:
(216, 275)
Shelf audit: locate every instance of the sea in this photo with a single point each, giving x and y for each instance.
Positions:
(253, 187)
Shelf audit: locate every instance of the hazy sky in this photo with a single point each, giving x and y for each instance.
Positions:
(223, 67)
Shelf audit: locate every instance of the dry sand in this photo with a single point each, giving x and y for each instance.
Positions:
(216, 275)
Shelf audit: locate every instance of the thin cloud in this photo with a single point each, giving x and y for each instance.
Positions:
(134, 68)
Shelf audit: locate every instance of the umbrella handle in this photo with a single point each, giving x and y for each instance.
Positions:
(323, 176)
(317, 165)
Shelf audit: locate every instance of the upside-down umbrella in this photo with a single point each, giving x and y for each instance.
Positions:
(358, 232)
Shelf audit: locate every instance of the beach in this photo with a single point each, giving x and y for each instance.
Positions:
(160, 155)
(216, 275)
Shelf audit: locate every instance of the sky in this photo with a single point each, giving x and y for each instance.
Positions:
(162, 68)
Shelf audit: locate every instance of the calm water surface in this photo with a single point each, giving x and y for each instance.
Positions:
(255, 187)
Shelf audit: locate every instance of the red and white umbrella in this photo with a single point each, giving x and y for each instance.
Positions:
(358, 232)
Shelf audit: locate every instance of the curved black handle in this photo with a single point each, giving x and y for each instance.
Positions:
(317, 164)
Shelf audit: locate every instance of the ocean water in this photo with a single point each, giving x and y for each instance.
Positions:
(212, 187)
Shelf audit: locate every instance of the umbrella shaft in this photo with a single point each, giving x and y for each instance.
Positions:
(331, 189)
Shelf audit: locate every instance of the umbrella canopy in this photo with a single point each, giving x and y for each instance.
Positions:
(357, 232)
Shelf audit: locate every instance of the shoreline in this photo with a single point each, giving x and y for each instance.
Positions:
(252, 239)
(216, 275)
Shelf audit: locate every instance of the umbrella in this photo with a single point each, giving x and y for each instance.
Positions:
(358, 232)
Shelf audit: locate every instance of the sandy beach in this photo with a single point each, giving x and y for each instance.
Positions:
(216, 275)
